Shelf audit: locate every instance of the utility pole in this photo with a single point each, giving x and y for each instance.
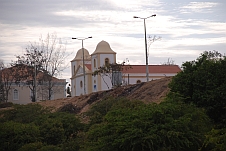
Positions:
(83, 62)
(145, 38)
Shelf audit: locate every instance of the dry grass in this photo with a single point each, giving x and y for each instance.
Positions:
(153, 91)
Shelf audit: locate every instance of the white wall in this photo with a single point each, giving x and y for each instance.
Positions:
(105, 86)
(111, 58)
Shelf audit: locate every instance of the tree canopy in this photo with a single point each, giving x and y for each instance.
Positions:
(135, 126)
(203, 83)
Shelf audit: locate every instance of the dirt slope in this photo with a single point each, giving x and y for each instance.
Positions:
(153, 91)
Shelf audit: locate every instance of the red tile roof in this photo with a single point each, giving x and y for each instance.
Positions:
(21, 72)
(88, 66)
(152, 69)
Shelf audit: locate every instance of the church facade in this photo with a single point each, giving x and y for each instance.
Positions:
(102, 55)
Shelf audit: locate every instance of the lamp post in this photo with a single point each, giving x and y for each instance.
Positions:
(83, 62)
(145, 38)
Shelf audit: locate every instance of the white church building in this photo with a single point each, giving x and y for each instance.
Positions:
(102, 55)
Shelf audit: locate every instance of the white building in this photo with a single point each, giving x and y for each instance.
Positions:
(102, 55)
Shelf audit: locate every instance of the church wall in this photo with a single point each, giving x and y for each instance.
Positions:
(73, 68)
(95, 57)
(94, 84)
(78, 87)
(111, 58)
(107, 85)
(89, 83)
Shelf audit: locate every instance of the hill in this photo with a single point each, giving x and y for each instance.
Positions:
(152, 91)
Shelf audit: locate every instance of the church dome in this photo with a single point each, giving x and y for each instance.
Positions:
(79, 54)
(103, 47)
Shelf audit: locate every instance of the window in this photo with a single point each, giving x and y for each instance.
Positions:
(81, 84)
(94, 63)
(15, 94)
(138, 81)
(106, 61)
(94, 81)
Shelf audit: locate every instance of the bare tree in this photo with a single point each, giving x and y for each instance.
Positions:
(54, 53)
(28, 68)
(8, 76)
(169, 61)
(42, 61)
(151, 40)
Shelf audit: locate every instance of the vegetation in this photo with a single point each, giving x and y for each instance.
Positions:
(32, 127)
(139, 127)
(203, 83)
(191, 118)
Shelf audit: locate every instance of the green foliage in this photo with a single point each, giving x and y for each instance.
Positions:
(71, 145)
(52, 131)
(167, 126)
(42, 130)
(215, 140)
(14, 135)
(31, 146)
(100, 109)
(59, 120)
(50, 148)
(25, 113)
(203, 82)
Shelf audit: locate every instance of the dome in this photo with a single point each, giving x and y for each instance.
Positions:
(103, 47)
(79, 54)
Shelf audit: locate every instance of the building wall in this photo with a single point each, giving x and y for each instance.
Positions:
(79, 88)
(134, 77)
(24, 93)
(111, 58)
(107, 84)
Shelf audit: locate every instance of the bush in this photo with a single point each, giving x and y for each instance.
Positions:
(203, 83)
(6, 104)
(167, 126)
(25, 113)
(14, 135)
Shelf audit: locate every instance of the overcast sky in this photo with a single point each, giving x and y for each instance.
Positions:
(187, 28)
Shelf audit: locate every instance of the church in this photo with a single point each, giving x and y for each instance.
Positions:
(84, 82)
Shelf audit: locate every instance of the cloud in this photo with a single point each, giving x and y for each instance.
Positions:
(187, 27)
(198, 7)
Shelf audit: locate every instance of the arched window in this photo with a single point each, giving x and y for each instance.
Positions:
(81, 84)
(94, 63)
(138, 81)
(106, 61)
(15, 94)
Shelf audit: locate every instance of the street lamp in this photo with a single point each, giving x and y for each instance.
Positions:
(83, 62)
(145, 38)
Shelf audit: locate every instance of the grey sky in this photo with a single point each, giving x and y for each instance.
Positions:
(187, 27)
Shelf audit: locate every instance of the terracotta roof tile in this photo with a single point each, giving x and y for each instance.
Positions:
(24, 69)
(88, 66)
(153, 69)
